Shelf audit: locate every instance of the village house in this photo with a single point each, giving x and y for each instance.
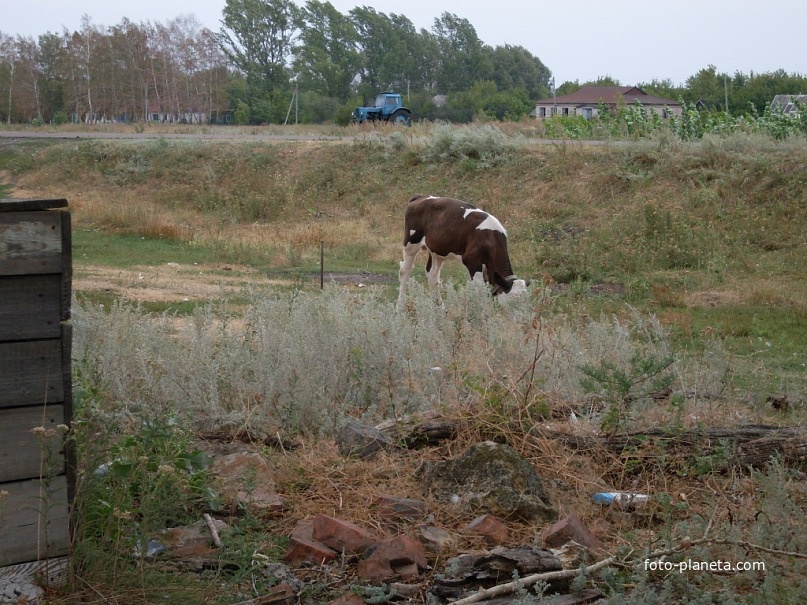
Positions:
(588, 100)
(788, 104)
(156, 114)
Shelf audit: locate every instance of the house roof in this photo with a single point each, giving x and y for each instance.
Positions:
(610, 95)
(786, 104)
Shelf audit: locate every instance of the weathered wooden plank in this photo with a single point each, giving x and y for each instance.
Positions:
(30, 242)
(24, 452)
(25, 581)
(67, 404)
(33, 520)
(67, 264)
(31, 373)
(30, 307)
(27, 204)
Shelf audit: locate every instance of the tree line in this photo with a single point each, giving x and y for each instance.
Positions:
(271, 54)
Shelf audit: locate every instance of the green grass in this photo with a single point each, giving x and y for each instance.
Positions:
(125, 250)
(769, 343)
(177, 308)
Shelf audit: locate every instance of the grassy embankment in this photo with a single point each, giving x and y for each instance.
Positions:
(663, 263)
(709, 236)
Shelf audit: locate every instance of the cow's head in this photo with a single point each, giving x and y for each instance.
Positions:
(508, 287)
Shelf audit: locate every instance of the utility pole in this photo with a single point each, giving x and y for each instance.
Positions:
(726, 92)
(294, 101)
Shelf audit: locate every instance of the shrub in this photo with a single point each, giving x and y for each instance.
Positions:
(482, 146)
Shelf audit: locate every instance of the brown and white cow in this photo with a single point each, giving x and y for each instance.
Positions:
(451, 229)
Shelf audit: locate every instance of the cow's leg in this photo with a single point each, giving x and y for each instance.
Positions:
(433, 272)
(410, 252)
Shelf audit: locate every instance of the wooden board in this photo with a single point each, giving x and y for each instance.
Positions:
(23, 452)
(31, 242)
(26, 204)
(31, 307)
(31, 373)
(33, 521)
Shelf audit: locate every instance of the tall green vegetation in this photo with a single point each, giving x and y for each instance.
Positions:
(258, 37)
(265, 51)
(637, 122)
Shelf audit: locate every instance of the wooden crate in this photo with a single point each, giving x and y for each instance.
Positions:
(36, 471)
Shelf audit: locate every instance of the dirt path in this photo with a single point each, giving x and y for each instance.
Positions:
(173, 282)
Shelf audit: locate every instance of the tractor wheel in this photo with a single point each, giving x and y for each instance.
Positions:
(400, 118)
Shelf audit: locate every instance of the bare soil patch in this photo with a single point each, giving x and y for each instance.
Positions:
(174, 282)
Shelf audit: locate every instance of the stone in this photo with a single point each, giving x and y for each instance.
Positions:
(358, 440)
(436, 538)
(342, 536)
(260, 500)
(278, 573)
(348, 599)
(393, 507)
(407, 591)
(571, 528)
(247, 479)
(490, 528)
(493, 477)
(190, 540)
(572, 555)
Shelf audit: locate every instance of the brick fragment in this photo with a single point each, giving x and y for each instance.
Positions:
(570, 528)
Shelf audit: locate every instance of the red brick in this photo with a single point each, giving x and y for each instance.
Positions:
(570, 528)
(342, 536)
(398, 556)
(301, 550)
(490, 528)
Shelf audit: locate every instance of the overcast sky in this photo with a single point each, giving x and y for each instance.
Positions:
(632, 41)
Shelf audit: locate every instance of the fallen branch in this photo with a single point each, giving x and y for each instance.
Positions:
(752, 445)
(510, 587)
(685, 544)
(705, 539)
(213, 531)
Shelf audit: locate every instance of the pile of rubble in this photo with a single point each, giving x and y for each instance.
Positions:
(414, 564)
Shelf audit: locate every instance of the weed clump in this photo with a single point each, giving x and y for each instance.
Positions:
(475, 146)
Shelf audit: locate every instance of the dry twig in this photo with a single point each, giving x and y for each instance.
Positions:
(510, 587)
(213, 531)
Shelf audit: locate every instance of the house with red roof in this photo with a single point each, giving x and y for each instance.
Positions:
(588, 100)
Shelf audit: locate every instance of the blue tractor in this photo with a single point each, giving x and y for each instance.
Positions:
(388, 107)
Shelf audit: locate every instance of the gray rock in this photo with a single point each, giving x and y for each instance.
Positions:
(490, 477)
(361, 441)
